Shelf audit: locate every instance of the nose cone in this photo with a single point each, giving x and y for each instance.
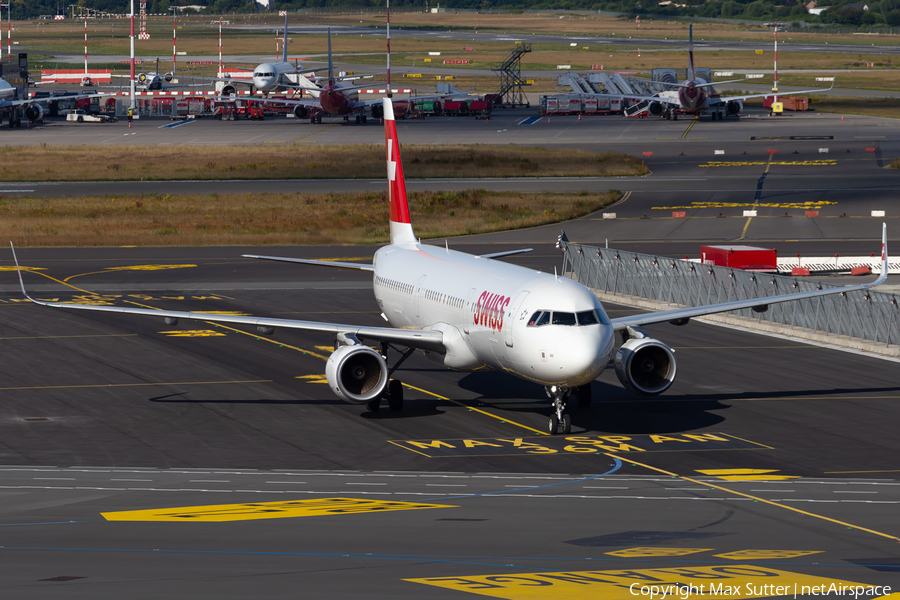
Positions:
(584, 354)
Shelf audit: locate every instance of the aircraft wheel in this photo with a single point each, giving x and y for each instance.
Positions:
(668, 116)
(583, 394)
(357, 119)
(674, 116)
(365, 120)
(554, 425)
(374, 405)
(395, 395)
(566, 423)
(80, 119)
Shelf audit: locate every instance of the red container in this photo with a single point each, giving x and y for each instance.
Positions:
(454, 107)
(749, 258)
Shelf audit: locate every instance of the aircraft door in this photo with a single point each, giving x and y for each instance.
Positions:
(420, 287)
(517, 314)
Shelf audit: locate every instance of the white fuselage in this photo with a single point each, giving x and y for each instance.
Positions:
(484, 308)
(269, 77)
(7, 92)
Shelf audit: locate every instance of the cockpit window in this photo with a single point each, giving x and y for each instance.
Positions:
(563, 318)
(587, 317)
(541, 317)
(582, 319)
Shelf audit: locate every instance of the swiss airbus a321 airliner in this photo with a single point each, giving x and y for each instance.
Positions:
(472, 312)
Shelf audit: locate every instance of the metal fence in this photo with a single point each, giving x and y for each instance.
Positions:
(869, 316)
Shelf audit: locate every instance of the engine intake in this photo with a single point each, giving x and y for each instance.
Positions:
(377, 111)
(356, 374)
(34, 112)
(655, 108)
(229, 90)
(645, 366)
(734, 107)
(301, 112)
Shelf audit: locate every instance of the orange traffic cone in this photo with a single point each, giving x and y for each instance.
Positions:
(579, 116)
(842, 117)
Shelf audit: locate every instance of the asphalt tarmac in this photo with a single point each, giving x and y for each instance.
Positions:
(769, 462)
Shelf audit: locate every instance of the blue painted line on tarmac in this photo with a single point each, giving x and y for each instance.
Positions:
(530, 120)
(48, 523)
(176, 124)
(615, 467)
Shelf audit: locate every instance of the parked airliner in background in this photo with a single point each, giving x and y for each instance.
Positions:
(470, 312)
(691, 96)
(32, 109)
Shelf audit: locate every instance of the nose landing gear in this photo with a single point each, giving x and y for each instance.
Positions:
(560, 421)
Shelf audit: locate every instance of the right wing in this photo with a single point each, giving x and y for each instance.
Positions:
(422, 339)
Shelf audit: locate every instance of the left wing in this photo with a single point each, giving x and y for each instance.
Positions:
(322, 263)
(423, 339)
(710, 309)
(724, 100)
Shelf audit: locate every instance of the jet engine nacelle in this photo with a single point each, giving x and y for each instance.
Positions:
(301, 112)
(229, 90)
(34, 112)
(655, 108)
(734, 107)
(142, 78)
(356, 374)
(169, 77)
(645, 366)
(377, 111)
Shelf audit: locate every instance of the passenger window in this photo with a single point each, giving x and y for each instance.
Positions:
(563, 318)
(587, 317)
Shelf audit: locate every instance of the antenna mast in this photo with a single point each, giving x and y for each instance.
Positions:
(389, 94)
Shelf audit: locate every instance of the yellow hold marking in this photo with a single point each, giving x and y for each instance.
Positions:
(192, 333)
(747, 474)
(266, 510)
(313, 378)
(711, 583)
(766, 554)
(643, 552)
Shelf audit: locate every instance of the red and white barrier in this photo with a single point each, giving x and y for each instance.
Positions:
(75, 75)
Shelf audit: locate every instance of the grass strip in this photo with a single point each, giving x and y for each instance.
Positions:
(257, 219)
(162, 163)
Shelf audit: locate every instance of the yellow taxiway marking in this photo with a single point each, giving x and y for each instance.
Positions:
(644, 552)
(313, 378)
(746, 474)
(267, 510)
(478, 410)
(124, 385)
(800, 205)
(714, 583)
(766, 554)
(756, 498)
(192, 333)
(295, 140)
(694, 122)
(783, 163)
(132, 268)
(24, 268)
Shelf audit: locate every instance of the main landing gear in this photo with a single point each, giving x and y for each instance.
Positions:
(361, 119)
(393, 393)
(560, 420)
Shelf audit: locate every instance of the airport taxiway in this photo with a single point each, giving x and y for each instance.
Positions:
(768, 461)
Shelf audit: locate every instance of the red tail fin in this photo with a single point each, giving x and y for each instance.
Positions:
(401, 228)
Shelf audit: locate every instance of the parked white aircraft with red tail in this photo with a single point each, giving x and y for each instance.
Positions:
(473, 312)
